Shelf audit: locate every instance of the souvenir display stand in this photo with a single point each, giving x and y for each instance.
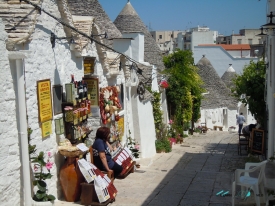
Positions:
(76, 109)
(80, 179)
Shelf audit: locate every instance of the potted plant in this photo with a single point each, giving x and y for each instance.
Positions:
(159, 146)
(179, 139)
(41, 173)
(185, 128)
(171, 132)
(166, 145)
(133, 146)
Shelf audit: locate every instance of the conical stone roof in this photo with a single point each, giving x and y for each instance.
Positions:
(217, 94)
(228, 76)
(94, 9)
(129, 21)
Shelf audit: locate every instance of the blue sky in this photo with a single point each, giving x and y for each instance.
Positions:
(223, 16)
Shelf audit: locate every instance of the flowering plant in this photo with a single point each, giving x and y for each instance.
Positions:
(40, 165)
(171, 132)
(164, 84)
(133, 146)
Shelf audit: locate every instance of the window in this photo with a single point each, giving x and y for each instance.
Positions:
(239, 41)
(249, 41)
(160, 36)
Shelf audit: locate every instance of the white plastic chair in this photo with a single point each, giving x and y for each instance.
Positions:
(269, 185)
(245, 180)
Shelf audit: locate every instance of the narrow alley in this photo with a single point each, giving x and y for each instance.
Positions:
(192, 174)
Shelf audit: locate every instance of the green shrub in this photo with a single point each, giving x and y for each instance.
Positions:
(159, 145)
(163, 145)
(167, 145)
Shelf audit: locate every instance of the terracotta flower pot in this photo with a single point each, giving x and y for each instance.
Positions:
(70, 179)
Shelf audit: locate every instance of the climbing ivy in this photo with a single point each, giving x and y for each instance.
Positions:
(157, 112)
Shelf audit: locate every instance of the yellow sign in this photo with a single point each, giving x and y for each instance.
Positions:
(92, 85)
(44, 100)
(89, 63)
(46, 128)
(120, 127)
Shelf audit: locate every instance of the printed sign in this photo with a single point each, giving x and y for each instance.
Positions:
(89, 64)
(44, 100)
(46, 128)
(120, 127)
(92, 84)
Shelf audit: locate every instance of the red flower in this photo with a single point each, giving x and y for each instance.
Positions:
(164, 84)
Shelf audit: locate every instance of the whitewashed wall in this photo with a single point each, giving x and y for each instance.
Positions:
(45, 62)
(232, 121)
(218, 117)
(271, 84)
(140, 120)
(137, 45)
(10, 169)
(239, 54)
(202, 37)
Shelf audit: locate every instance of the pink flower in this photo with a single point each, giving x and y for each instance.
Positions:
(137, 146)
(170, 121)
(49, 165)
(49, 154)
(35, 168)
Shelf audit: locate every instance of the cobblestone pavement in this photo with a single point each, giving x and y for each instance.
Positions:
(191, 174)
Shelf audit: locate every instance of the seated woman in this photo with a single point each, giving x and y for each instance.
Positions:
(101, 152)
(248, 128)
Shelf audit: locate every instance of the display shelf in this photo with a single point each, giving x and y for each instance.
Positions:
(70, 127)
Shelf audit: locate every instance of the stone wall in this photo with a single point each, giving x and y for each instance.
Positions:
(44, 62)
(9, 143)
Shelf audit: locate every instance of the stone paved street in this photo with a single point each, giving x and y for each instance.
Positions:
(191, 174)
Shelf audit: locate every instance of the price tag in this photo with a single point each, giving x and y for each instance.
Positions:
(80, 119)
(84, 117)
(75, 121)
(89, 96)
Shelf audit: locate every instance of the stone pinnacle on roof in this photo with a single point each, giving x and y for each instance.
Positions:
(219, 95)
(228, 76)
(129, 21)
